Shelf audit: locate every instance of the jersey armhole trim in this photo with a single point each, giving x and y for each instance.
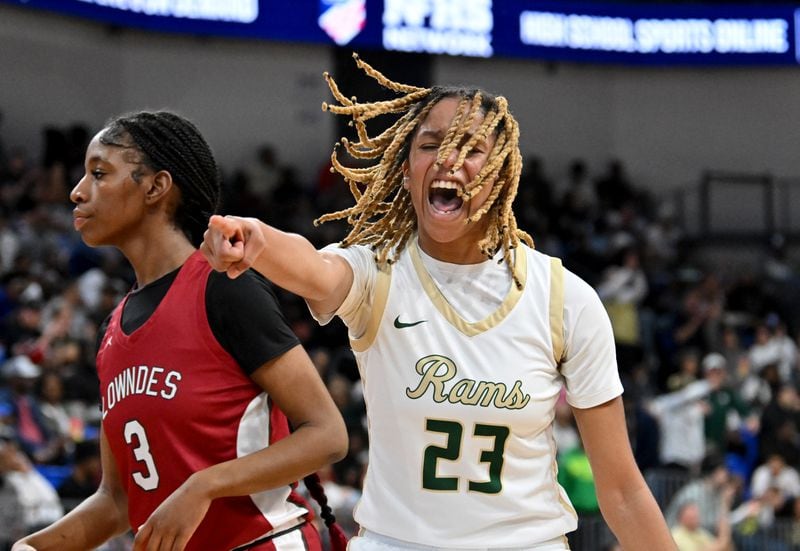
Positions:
(380, 297)
(557, 309)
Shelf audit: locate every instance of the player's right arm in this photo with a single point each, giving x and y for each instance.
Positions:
(233, 244)
(97, 519)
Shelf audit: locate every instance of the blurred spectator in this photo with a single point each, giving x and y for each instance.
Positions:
(288, 205)
(36, 499)
(698, 321)
(9, 243)
(775, 474)
(753, 521)
(794, 538)
(643, 431)
(769, 350)
(23, 326)
(787, 354)
(733, 351)
(613, 188)
(12, 524)
(689, 535)
(622, 289)
(746, 300)
(29, 426)
(726, 411)
(781, 280)
(578, 203)
(350, 470)
(17, 182)
(663, 237)
(263, 173)
(78, 136)
(708, 493)
(536, 179)
(536, 196)
(578, 195)
(780, 425)
(754, 388)
(239, 198)
(741, 456)
(680, 416)
(84, 477)
(351, 407)
(688, 370)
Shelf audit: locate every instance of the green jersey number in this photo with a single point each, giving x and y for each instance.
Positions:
(452, 450)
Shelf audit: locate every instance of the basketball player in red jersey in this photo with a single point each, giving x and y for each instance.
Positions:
(198, 372)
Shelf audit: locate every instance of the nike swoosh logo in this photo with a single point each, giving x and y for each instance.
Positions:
(400, 325)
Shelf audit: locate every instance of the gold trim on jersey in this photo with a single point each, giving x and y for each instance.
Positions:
(557, 308)
(449, 313)
(380, 296)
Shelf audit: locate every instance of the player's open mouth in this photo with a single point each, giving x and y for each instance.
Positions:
(443, 196)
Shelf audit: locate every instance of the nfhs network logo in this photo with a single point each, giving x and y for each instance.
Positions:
(455, 27)
(342, 20)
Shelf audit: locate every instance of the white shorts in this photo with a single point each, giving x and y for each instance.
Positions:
(370, 541)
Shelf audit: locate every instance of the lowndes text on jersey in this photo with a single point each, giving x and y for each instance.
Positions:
(142, 379)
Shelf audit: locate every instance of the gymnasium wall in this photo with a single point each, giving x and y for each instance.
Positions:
(667, 124)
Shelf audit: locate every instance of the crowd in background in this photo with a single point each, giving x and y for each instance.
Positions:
(708, 357)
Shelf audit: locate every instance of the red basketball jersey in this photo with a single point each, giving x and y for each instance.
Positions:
(175, 402)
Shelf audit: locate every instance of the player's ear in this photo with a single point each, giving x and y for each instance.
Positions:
(406, 177)
(158, 186)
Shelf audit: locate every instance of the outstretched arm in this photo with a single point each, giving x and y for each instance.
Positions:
(625, 500)
(233, 244)
(99, 518)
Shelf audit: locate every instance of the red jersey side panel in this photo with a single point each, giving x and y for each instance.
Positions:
(175, 402)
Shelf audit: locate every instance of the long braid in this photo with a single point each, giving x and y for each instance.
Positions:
(169, 142)
(383, 216)
(338, 538)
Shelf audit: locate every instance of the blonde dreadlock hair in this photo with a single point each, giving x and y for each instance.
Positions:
(383, 215)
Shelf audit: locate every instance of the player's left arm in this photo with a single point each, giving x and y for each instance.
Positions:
(626, 502)
(319, 438)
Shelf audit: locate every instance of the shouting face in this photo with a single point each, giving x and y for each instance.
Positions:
(441, 212)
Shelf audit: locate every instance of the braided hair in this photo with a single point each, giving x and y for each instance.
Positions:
(338, 539)
(165, 141)
(383, 215)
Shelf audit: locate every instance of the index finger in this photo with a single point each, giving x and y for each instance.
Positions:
(225, 225)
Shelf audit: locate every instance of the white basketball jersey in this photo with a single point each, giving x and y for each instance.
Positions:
(461, 446)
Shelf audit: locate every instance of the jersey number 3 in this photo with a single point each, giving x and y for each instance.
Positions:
(452, 450)
(147, 479)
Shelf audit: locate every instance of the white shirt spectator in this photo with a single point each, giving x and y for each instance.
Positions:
(681, 415)
(775, 473)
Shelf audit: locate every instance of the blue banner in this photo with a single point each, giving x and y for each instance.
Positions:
(551, 30)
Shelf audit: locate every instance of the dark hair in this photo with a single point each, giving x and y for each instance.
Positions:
(337, 538)
(169, 142)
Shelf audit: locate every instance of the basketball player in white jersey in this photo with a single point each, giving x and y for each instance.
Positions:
(464, 335)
